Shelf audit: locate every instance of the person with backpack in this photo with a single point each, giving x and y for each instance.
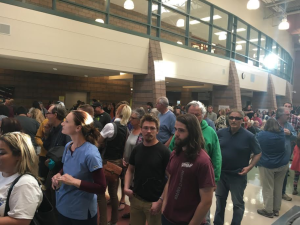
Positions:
(113, 136)
(20, 192)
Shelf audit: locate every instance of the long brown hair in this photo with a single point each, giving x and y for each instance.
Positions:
(83, 119)
(195, 139)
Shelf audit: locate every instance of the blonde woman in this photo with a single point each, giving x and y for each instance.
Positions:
(36, 114)
(18, 157)
(221, 121)
(114, 154)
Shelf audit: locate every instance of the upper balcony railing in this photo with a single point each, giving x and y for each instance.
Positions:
(193, 24)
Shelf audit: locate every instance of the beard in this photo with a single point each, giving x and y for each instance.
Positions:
(149, 138)
(181, 143)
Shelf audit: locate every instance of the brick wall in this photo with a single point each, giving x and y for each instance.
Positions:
(30, 86)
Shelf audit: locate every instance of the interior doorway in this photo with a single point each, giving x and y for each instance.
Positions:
(73, 97)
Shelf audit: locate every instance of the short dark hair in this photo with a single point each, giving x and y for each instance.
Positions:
(21, 110)
(87, 108)
(4, 110)
(150, 118)
(10, 125)
(195, 138)
(280, 112)
(150, 104)
(288, 103)
(272, 125)
(60, 111)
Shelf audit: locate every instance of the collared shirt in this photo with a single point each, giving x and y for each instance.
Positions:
(167, 126)
(236, 149)
(295, 121)
(56, 138)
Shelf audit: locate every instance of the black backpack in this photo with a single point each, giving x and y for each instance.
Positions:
(44, 214)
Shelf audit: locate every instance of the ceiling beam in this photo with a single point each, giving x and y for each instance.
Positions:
(278, 14)
(278, 3)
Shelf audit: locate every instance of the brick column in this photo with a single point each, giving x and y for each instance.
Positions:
(288, 95)
(265, 100)
(228, 95)
(186, 96)
(147, 88)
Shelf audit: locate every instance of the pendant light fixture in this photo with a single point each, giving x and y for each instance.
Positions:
(253, 4)
(128, 4)
(284, 25)
(180, 23)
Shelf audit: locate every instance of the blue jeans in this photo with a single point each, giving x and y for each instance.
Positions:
(236, 184)
(65, 220)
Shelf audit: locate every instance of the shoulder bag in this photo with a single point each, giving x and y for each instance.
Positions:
(44, 214)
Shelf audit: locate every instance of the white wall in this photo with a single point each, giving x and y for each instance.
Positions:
(255, 18)
(42, 36)
(259, 81)
(185, 64)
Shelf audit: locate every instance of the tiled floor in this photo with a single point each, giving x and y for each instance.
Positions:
(253, 201)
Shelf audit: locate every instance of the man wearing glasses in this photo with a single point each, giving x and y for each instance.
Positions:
(148, 162)
(237, 144)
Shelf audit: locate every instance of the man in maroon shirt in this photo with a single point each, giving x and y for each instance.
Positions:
(189, 191)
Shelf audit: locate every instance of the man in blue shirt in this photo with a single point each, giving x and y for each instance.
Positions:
(283, 116)
(237, 144)
(167, 121)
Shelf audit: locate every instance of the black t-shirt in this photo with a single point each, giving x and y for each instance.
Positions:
(103, 118)
(98, 125)
(150, 166)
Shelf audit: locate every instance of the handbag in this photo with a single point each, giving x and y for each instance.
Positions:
(44, 215)
(112, 172)
(56, 153)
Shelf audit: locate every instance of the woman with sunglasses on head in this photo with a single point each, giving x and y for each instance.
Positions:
(82, 176)
(18, 157)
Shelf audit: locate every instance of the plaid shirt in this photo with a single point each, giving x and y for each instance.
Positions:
(295, 121)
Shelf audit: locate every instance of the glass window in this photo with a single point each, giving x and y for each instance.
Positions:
(199, 45)
(200, 10)
(173, 22)
(253, 35)
(199, 31)
(253, 51)
(240, 46)
(279, 52)
(154, 21)
(263, 39)
(223, 21)
(139, 13)
(127, 24)
(219, 37)
(155, 8)
(274, 47)
(241, 29)
(218, 51)
(172, 37)
(262, 55)
(180, 5)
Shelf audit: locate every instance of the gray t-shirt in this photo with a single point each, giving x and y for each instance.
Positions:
(29, 126)
(129, 145)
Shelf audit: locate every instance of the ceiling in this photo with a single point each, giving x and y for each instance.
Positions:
(47, 67)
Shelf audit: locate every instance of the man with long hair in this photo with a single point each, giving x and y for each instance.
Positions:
(189, 191)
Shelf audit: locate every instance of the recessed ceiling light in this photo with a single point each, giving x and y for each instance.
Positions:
(239, 47)
(99, 20)
(215, 17)
(221, 33)
(128, 4)
(131, 89)
(179, 42)
(180, 23)
(121, 73)
(241, 42)
(55, 69)
(86, 75)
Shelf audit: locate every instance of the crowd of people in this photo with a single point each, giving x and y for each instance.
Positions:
(170, 161)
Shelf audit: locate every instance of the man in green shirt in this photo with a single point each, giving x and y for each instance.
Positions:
(212, 145)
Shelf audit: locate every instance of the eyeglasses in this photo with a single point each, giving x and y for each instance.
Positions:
(147, 128)
(133, 118)
(235, 118)
(47, 113)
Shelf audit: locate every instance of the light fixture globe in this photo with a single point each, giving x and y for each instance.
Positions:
(128, 4)
(222, 37)
(284, 25)
(239, 47)
(180, 23)
(253, 4)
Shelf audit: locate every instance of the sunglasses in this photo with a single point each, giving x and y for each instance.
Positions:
(235, 118)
